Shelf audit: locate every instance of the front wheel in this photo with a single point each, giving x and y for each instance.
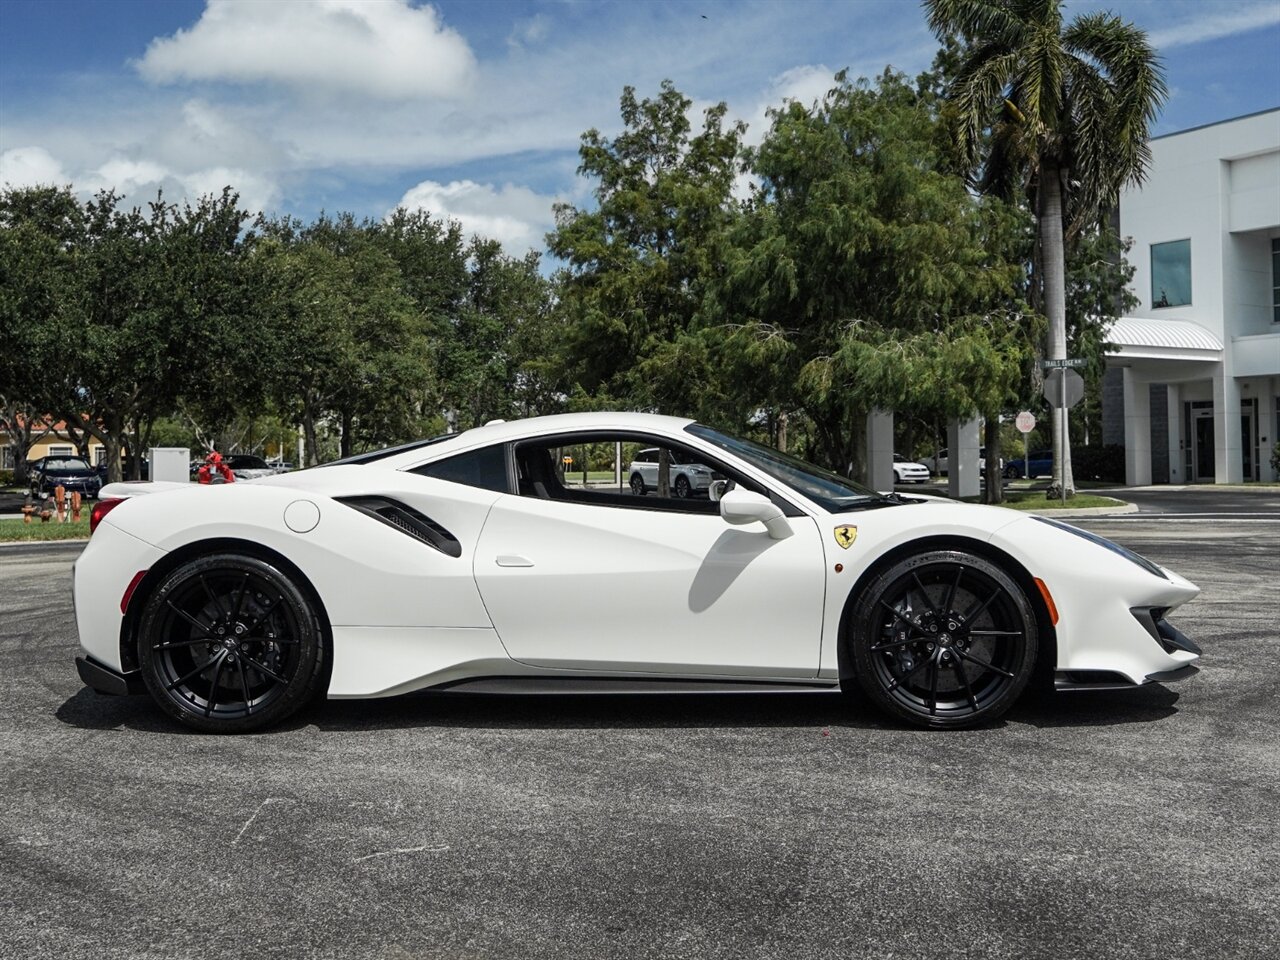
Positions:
(681, 487)
(1012, 473)
(229, 643)
(944, 638)
(637, 484)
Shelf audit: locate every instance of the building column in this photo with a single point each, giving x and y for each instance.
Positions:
(962, 458)
(880, 450)
(1177, 454)
(1137, 430)
(1267, 438)
(1228, 463)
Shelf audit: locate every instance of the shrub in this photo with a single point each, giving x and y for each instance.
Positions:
(6, 477)
(1103, 463)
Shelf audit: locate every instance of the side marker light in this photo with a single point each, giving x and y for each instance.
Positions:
(128, 591)
(1048, 601)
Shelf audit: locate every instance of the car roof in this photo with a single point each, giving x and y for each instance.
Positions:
(509, 430)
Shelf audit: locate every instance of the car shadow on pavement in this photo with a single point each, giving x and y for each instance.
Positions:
(1101, 708)
(93, 711)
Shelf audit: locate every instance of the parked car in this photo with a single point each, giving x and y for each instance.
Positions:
(248, 467)
(687, 478)
(73, 474)
(908, 471)
(938, 464)
(1041, 465)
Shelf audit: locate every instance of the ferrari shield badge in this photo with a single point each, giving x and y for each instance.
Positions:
(845, 536)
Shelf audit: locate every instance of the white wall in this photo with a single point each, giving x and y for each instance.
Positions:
(1203, 184)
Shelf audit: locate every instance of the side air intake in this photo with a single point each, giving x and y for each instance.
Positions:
(408, 521)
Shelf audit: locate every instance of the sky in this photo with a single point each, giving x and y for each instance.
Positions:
(473, 109)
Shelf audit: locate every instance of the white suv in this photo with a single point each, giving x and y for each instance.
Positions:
(687, 478)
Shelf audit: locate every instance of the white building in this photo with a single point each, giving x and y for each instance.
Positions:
(1198, 363)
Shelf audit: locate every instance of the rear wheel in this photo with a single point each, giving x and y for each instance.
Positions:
(943, 639)
(1012, 473)
(230, 643)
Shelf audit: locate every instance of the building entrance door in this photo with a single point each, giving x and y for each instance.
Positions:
(1202, 445)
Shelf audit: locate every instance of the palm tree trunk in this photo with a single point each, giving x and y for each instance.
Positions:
(1053, 258)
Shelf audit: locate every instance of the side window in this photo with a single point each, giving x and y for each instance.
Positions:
(485, 468)
(617, 470)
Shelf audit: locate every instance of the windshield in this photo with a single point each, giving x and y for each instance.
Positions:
(828, 490)
(67, 465)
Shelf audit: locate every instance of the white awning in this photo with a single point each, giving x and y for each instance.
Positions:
(1142, 338)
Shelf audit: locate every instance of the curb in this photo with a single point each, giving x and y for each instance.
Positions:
(37, 543)
(1092, 511)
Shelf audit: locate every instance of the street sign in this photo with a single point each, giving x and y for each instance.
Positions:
(1026, 422)
(1074, 363)
(1063, 388)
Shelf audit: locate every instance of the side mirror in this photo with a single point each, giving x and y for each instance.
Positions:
(718, 489)
(739, 507)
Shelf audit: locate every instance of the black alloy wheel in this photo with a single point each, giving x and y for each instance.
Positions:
(637, 484)
(681, 487)
(1012, 473)
(229, 643)
(944, 639)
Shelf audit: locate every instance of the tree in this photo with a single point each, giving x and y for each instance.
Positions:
(1061, 112)
(37, 282)
(865, 275)
(494, 362)
(638, 263)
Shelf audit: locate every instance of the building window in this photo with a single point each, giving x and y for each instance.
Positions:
(1171, 273)
(1275, 279)
(58, 451)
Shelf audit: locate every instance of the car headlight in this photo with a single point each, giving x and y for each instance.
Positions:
(1106, 544)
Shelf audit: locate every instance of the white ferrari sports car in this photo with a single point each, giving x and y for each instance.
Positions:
(480, 561)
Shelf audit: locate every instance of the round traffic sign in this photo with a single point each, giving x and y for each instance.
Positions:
(1026, 422)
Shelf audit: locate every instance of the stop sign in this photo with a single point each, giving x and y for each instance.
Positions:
(1063, 395)
(1025, 422)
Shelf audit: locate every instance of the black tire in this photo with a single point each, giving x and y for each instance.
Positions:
(1012, 473)
(944, 638)
(230, 643)
(681, 487)
(637, 485)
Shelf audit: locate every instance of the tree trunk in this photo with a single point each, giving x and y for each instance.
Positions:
(782, 430)
(309, 435)
(994, 492)
(344, 444)
(1053, 257)
(664, 472)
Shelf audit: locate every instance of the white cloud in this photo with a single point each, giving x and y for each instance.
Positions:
(1217, 22)
(515, 216)
(528, 32)
(137, 179)
(30, 167)
(804, 84)
(377, 48)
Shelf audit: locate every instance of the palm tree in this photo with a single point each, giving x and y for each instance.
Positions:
(1059, 111)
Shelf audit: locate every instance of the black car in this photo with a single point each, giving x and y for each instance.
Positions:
(73, 474)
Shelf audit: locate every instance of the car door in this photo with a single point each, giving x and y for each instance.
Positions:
(609, 581)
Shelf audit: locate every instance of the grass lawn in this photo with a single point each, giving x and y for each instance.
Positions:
(12, 531)
(1034, 501)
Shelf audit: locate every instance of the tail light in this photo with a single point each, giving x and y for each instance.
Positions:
(101, 509)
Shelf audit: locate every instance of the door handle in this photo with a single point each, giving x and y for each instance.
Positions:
(510, 560)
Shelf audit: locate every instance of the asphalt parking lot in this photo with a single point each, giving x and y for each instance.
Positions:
(1134, 824)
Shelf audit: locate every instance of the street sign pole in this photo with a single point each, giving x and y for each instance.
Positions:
(1062, 467)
